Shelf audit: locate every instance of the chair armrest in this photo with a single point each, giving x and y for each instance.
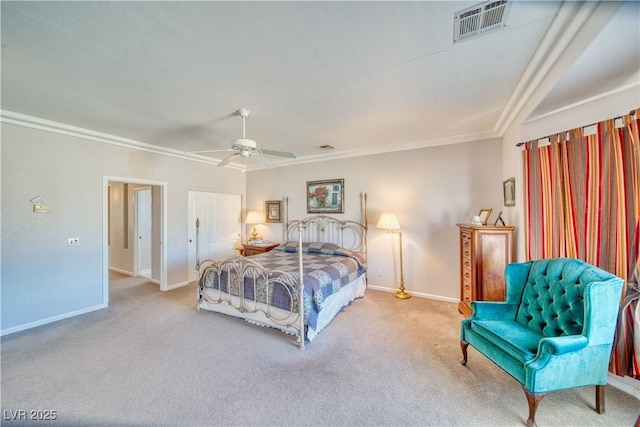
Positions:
(562, 345)
(491, 310)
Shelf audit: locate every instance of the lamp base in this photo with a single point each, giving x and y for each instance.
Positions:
(401, 294)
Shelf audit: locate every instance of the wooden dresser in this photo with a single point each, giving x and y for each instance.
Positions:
(248, 250)
(485, 251)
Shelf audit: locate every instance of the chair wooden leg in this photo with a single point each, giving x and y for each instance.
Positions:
(533, 400)
(600, 399)
(463, 346)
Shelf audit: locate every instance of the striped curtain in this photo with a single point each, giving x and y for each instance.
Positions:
(582, 200)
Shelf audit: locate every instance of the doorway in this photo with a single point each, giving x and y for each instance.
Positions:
(134, 230)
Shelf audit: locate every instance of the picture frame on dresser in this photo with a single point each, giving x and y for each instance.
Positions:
(484, 215)
(325, 196)
(273, 209)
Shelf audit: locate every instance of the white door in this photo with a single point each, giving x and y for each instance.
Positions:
(143, 232)
(220, 226)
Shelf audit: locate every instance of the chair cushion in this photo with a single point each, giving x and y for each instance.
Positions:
(512, 337)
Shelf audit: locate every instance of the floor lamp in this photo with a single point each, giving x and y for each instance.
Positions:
(389, 222)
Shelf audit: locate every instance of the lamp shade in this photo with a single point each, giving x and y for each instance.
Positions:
(388, 221)
(253, 217)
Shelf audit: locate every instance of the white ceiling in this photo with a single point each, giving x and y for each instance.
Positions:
(364, 77)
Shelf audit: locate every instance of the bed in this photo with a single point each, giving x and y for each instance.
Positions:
(321, 267)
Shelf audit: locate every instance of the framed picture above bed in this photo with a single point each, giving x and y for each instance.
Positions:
(273, 210)
(325, 196)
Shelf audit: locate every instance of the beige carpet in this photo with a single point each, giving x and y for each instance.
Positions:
(152, 359)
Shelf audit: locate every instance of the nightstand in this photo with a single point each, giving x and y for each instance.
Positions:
(249, 249)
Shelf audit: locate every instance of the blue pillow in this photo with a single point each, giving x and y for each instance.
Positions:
(310, 247)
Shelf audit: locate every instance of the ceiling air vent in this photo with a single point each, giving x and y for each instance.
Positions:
(479, 19)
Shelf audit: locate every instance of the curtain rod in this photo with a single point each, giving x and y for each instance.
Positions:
(631, 113)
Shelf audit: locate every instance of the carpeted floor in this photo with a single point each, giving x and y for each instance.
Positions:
(151, 359)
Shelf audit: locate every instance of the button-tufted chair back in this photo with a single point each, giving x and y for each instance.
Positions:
(552, 299)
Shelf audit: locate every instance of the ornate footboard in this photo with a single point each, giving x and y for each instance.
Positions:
(243, 288)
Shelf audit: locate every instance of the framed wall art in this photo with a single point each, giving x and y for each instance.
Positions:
(273, 210)
(325, 196)
(509, 189)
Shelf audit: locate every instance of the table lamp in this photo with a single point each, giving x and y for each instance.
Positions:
(253, 218)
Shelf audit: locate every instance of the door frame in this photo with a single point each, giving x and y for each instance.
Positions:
(105, 229)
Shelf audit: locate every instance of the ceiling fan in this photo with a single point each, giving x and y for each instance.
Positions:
(243, 147)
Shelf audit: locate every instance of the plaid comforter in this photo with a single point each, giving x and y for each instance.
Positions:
(326, 269)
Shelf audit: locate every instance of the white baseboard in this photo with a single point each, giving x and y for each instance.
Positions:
(52, 319)
(118, 270)
(627, 384)
(130, 273)
(177, 285)
(416, 294)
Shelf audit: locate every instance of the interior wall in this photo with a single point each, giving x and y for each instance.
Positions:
(430, 190)
(42, 278)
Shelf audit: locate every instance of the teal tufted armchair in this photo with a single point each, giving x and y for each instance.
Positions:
(555, 329)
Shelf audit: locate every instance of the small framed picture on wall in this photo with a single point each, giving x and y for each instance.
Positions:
(273, 210)
(509, 190)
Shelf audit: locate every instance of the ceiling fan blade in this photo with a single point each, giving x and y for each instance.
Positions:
(228, 159)
(278, 153)
(210, 151)
(259, 157)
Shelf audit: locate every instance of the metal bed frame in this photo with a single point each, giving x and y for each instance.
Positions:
(348, 234)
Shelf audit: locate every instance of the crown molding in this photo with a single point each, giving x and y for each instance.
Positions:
(386, 148)
(32, 122)
(582, 102)
(568, 23)
(37, 123)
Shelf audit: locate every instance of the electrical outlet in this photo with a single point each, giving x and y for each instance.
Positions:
(73, 241)
(379, 272)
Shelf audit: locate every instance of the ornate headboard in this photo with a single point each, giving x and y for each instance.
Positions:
(322, 228)
(348, 234)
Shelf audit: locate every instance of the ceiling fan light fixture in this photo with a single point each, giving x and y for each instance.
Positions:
(244, 143)
(245, 147)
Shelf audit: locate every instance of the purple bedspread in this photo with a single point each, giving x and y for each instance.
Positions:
(326, 269)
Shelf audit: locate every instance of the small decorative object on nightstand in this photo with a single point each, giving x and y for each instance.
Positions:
(255, 249)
